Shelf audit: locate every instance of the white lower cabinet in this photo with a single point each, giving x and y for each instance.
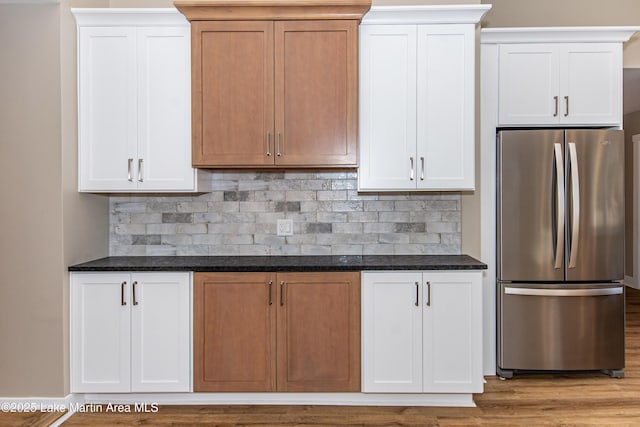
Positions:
(422, 332)
(130, 332)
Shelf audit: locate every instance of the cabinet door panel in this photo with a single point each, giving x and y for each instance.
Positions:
(446, 88)
(452, 333)
(160, 332)
(107, 107)
(590, 76)
(529, 81)
(232, 93)
(387, 106)
(319, 332)
(234, 332)
(316, 92)
(100, 333)
(164, 110)
(392, 332)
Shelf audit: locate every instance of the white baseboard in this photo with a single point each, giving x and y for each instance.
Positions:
(338, 399)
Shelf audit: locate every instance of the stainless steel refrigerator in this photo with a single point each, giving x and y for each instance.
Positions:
(560, 251)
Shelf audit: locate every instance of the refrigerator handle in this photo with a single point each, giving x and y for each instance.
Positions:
(564, 292)
(559, 246)
(575, 205)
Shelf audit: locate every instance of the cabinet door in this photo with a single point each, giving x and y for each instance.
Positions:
(232, 93)
(319, 332)
(316, 78)
(590, 84)
(163, 161)
(529, 84)
(234, 332)
(160, 332)
(100, 332)
(446, 105)
(392, 332)
(106, 108)
(452, 332)
(387, 107)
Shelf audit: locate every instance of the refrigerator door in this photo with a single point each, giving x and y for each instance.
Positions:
(595, 205)
(531, 205)
(561, 327)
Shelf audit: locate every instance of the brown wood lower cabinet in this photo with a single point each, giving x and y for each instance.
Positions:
(277, 332)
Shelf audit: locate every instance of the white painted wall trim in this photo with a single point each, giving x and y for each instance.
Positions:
(557, 35)
(488, 125)
(338, 399)
(426, 14)
(109, 17)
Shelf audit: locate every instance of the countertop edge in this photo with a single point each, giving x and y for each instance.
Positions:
(282, 263)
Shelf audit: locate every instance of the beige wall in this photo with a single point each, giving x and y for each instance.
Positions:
(46, 224)
(31, 209)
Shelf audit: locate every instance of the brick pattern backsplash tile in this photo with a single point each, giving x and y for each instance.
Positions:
(329, 218)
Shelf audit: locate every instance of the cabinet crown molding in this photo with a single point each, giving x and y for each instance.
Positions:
(557, 35)
(249, 10)
(97, 17)
(426, 14)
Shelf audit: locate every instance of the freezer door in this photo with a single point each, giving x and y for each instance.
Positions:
(531, 205)
(561, 328)
(595, 205)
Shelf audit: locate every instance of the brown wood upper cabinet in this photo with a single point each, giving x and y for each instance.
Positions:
(277, 332)
(274, 83)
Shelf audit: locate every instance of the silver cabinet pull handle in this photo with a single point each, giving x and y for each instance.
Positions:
(575, 204)
(129, 177)
(268, 144)
(417, 294)
(282, 292)
(140, 170)
(428, 294)
(555, 98)
(133, 286)
(559, 259)
(411, 172)
(566, 100)
(422, 169)
(122, 301)
(270, 286)
(278, 153)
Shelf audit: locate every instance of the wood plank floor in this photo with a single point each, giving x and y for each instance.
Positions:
(535, 400)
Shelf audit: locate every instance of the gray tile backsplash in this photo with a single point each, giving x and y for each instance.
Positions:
(329, 218)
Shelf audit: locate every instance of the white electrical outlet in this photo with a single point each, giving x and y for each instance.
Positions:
(285, 227)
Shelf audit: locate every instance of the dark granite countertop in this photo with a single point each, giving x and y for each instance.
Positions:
(282, 263)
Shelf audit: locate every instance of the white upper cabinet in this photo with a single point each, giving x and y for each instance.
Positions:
(134, 105)
(559, 83)
(557, 76)
(417, 97)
